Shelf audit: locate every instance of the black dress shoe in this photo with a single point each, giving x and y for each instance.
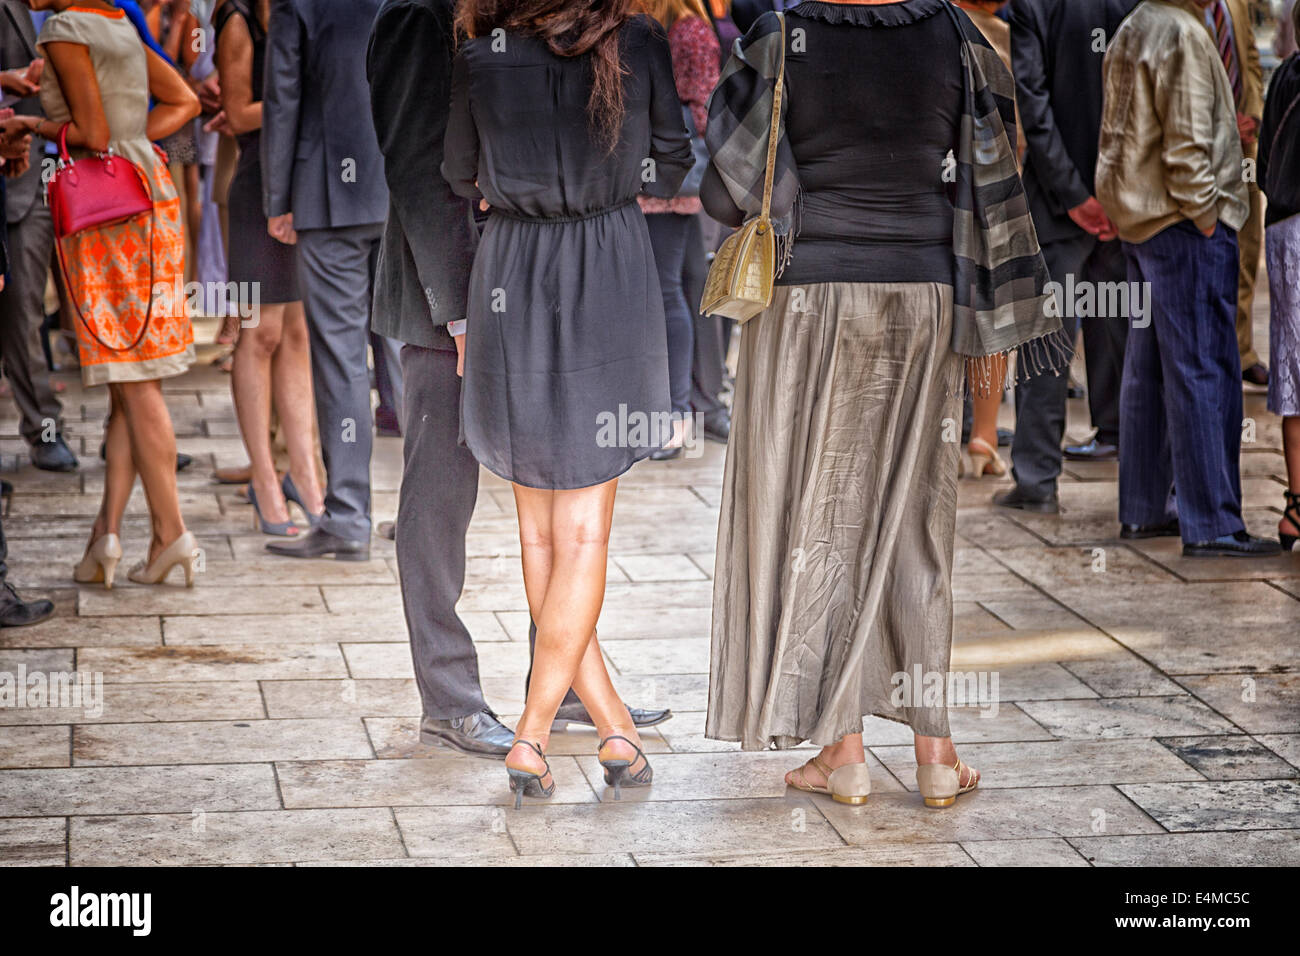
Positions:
(1005, 437)
(479, 735)
(183, 460)
(319, 543)
(718, 428)
(1015, 498)
(54, 455)
(15, 612)
(1257, 374)
(577, 714)
(1240, 545)
(1133, 532)
(1092, 451)
(666, 454)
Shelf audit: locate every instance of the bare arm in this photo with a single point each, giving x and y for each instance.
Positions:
(71, 64)
(235, 66)
(176, 103)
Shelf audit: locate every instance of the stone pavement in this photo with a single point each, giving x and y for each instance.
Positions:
(1148, 705)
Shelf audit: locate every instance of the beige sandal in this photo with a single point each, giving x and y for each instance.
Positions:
(940, 785)
(849, 784)
(984, 460)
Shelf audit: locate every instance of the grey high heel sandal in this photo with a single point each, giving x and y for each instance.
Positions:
(525, 783)
(618, 772)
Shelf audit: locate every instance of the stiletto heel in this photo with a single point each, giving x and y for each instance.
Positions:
(1290, 513)
(940, 785)
(525, 783)
(291, 493)
(6, 495)
(182, 551)
(618, 772)
(99, 563)
(281, 529)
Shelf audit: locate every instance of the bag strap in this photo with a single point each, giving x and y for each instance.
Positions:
(770, 173)
(67, 278)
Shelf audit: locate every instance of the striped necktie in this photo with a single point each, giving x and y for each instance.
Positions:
(1227, 49)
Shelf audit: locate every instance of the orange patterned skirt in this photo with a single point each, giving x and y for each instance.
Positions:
(108, 276)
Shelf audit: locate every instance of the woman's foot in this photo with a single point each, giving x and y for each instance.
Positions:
(940, 774)
(820, 774)
(673, 447)
(530, 774)
(1288, 529)
(984, 458)
(623, 760)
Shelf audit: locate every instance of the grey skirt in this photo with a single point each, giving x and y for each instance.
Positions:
(1282, 251)
(839, 502)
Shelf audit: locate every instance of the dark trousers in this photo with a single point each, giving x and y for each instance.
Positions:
(1041, 400)
(388, 379)
(336, 270)
(439, 488)
(709, 363)
(22, 316)
(1180, 424)
(676, 239)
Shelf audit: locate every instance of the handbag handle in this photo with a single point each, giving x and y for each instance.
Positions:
(66, 160)
(769, 174)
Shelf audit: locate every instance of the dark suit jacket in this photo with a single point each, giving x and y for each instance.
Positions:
(17, 49)
(320, 159)
(745, 12)
(1057, 58)
(429, 238)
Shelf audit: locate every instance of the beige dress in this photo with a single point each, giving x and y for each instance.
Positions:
(112, 272)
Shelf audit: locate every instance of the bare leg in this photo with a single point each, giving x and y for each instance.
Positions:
(985, 405)
(848, 749)
(292, 385)
(119, 472)
(941, 750)
(153, 448)
(1291, 451)
(250, 383)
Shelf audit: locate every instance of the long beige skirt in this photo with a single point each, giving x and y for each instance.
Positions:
(839, 502)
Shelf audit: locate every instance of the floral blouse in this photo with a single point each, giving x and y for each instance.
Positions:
(695, 69)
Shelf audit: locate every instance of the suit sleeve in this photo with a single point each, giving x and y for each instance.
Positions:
(281, 104)
(1044, 148)
(460, 159)
(409, 66)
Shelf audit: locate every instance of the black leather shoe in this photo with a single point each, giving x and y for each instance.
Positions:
(666, 454)
(183, 460)
(479, 735)
(718, 428)
(1015, 498)
(319, 543)
(1240, 545)
(15, 612)
(1092, 451)
(1133, 532)
(1257, 374)
(577, 714)
(1005, 437)
(54, 455)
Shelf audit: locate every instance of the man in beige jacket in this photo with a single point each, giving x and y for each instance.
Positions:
(1170, 176)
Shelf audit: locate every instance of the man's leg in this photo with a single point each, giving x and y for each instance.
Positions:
(22, 313)
(1040, 401)
(335, 273)
(1203, 379)
(1145, 469)
(439, 488)
(1103, 345)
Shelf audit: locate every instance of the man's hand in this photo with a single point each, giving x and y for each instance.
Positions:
(17, 167)
(209, 93)
(228, 333)
(1247, 129)
(1209, 233)
(219, 124)
(460, 353)
(24, 82)
(1092, 219)
(281, 228)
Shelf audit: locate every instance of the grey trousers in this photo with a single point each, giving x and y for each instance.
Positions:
(336, 269)
(439, 488)
(22, 312)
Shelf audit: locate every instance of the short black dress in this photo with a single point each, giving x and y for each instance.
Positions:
(253, 255)
(566, 364)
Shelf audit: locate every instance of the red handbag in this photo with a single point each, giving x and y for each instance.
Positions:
(91, 193)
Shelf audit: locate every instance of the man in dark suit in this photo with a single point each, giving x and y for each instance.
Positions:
(323, 178)
(1057, 48)
(31, 243)
(422, 284)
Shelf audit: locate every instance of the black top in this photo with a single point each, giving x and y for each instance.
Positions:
(239, 8)
(875, 103)
(1056, 56)
(1280, 144)
(527, 108)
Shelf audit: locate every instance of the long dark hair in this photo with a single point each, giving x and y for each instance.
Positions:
(570, 28)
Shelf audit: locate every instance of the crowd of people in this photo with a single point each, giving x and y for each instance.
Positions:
(501, 218)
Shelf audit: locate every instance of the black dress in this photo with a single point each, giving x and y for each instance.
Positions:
(254, 256)
(566, 365)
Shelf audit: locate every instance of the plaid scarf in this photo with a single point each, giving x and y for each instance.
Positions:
(999, 273)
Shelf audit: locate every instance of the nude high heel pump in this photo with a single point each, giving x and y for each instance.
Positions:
(99, 563)
(182, 551)
(984, 459)
(940, 785)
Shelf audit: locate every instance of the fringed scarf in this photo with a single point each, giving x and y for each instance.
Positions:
(999, 275)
